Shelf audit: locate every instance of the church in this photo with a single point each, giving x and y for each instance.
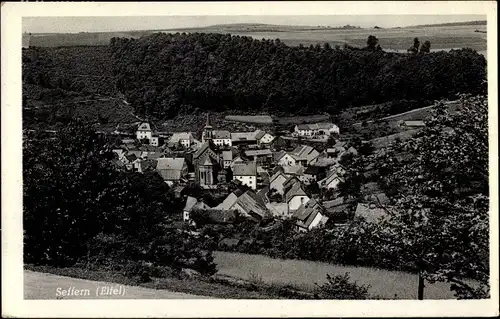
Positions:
(208, 162)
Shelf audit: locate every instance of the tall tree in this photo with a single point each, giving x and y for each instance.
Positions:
(371, 42)
(440, 218)
(425, 47)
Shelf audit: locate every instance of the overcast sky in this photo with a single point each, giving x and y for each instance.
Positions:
(96, 24)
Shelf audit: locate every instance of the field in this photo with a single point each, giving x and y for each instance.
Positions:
(279, 120)
(257, 119)
(399, 39)
(305, 274)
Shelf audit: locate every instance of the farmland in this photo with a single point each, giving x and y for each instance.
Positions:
(399, 39)
(305, 274)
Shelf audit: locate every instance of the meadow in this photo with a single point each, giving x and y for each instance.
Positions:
(306, 274)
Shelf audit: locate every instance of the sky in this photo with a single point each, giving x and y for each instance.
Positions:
(123, 23)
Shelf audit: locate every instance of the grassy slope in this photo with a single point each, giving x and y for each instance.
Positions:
(304, 274)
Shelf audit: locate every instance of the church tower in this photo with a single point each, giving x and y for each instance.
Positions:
(207, 131)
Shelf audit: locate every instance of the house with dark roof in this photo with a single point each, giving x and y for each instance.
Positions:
(172, 169)
(263, 138)
(246, 173)
(295, 197)
(184, 139)
(144, 131)
(277, 181)
(310, 215)
(251, 205)
(192, 203)
(331, 181)
(312, 174)
(222, 138)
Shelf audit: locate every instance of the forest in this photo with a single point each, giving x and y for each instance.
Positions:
(163, 75)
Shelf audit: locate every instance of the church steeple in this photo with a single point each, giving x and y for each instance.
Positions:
(208, 131)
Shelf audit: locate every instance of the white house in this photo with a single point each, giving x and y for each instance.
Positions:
(144, 131)
(222, 138)
(183, 138)
(155, 140)
(285, 159)
(310, 215)
(296, 197)
(331, 181)
(309, 130)
(246, 173)
(263, 138)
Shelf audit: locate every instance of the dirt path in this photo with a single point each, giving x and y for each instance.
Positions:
(47, 286)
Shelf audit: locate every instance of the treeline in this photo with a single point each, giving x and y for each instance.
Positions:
(80, 210)
(166, 74)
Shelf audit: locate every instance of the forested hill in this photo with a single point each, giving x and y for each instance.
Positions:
(166, 74)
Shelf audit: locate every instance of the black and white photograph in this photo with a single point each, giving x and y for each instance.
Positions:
(310, 157)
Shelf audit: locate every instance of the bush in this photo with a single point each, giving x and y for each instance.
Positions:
(340, 287)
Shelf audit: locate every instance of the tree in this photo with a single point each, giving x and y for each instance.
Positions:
(416, 44)
(439, 220)
(425, 47)
(371, 42)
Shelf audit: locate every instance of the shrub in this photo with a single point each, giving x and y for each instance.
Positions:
(340, 287)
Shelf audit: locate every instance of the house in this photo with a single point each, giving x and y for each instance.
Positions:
(184, 139)
(309, 130)
(293, 170)
(250, 205)
(155, 140)
(289, 183)
(277, 181)
(283, 159)
(222, 138)
(144, 131)
(370, 213)
(172, 169)
(304, 154)
(295, 197)
(312, 174)
(119, 153)
(262, 156)
(331, 181)
(263, 138)
(243, 138)
(246, 173)
(129, 160)
(339, 169)
(228, 202)
(278, 144)
(227, 157)
(310, 215)
(192, 203)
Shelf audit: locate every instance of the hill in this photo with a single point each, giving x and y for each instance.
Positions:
(163, 75)
(451, 24)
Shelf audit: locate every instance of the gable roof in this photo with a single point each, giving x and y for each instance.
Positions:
(243, 136)
(293, 170)
(313, 170)
(304, 152)
(144, 127)
(307, 212)
(228, 202)
(279, 155)
(131, 157)
(264, 152)
(332, 175)
(221, 135)
(250, 205)
(176, 137)
(276, 175)
(227, 155)
(290, 181)
(173, 163)
(202, 149)
(190, 202)
(245, 169)
(295, 190)
(259, 134)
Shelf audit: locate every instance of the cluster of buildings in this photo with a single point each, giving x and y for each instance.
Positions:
(276, 178)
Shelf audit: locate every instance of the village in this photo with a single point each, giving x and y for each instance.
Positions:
(270, 179)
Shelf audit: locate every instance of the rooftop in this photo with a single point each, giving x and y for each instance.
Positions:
(245, 169)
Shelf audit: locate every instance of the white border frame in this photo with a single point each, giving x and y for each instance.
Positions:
(12, 265)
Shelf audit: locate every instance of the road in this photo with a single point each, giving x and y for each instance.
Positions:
(47, 286)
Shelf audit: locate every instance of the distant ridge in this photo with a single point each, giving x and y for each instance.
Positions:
(450, 24)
